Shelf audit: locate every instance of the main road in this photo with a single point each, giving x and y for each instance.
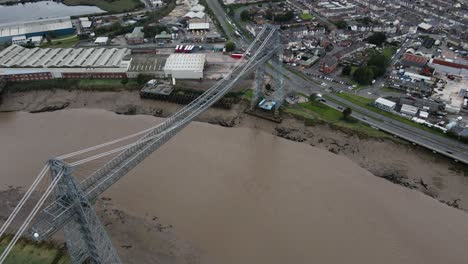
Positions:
(445, 146)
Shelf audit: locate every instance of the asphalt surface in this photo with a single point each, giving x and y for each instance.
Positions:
(445, 146)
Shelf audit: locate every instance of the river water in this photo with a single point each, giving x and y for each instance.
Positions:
(243, 196)
(43, 9)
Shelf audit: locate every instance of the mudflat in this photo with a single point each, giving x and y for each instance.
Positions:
(239, 195)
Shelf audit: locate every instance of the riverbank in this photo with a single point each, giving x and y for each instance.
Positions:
(386, 157)
(238, 195)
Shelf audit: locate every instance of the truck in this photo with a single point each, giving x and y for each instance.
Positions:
(237, 55)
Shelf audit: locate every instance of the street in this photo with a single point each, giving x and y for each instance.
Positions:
(445, 146)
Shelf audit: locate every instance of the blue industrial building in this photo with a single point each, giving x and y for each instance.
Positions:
(56, 26)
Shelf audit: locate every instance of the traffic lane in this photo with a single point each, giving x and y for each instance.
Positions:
(447, 141)
(408, 135)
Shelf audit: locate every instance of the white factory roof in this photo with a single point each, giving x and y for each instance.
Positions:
(199, 26)
(86, 24)
(409, 109)
(425, 26)
(192, 14)
(385, 102)
(18, 38)
(18, 57)
(101, 40)
(188, 62)
(27, 27)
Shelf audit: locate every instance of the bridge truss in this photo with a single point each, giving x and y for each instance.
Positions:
(67, 202)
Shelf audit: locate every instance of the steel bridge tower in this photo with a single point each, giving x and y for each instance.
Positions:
(71, 206)
(278, 76)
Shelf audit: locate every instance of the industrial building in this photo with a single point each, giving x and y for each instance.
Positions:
(18, 63)
(384, 104)
(55, 26)
(185, 66)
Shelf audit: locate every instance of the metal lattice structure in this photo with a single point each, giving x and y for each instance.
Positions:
(71, 208)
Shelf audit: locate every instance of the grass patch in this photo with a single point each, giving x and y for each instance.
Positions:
(109, 6)
(248, 94)
(388, 52)
(306, 16)
(314, 111)
(64, 42)
(73, 84)
(28, 252)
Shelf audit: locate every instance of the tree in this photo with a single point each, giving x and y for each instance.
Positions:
(245, 15)
(347, 113)
(313, 97)
(363, 75)
(124, 81)
(230, 46)
(346, 70)
(379, 63)
(268, 87)
(341, 24)
(142, 79)
(377, 38)
(151, 31)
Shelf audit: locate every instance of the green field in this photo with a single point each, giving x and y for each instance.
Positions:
(306, 16)
(27, 252)
(63, 42)
(109, 6)
(315, 110)
(74, 84)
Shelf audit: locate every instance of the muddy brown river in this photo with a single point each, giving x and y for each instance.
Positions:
(239, 195)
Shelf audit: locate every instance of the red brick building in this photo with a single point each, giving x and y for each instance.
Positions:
(328, 64)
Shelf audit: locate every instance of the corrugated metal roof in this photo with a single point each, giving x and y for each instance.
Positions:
(189, 62)
(19, 57)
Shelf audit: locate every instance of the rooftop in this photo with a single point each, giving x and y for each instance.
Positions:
(18, 57)
(27, 27)
(188, 62)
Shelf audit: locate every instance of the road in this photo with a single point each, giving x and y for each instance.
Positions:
(445, 146)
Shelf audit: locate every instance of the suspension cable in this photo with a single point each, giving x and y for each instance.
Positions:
(30, 216)
(24, 200)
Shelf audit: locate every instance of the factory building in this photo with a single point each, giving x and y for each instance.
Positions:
(185, 66)
(384, 104)
(55, 26)
(21, 64)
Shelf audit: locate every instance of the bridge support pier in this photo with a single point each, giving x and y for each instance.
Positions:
(86, 239)
(258, 89)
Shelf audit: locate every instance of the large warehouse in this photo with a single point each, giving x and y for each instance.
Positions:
(56, 26)
(185, 66)
(18, 63)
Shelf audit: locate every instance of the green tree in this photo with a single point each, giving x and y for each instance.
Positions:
(363, 75)
(341, 24)
(377, 38)
(379, 63)
(346, 70)
(245, 15)
(313, 97)
(268, 87)
(230, 46)
(151, 31)
(142, 79)
(347, 113)
(124, 81)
